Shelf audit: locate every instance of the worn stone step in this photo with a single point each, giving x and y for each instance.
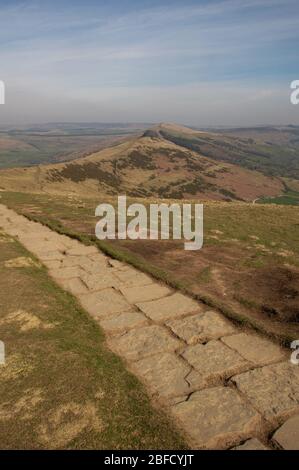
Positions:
(173, 306)
(144, 342)
(273, 390)
(212, 362)
(253, 348)
(287, 436)
(217, 418)
(202, 327)
(151, 292)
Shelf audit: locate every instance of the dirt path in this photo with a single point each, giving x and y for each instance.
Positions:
(222, 385)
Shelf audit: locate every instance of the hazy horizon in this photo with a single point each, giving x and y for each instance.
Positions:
(17, 125)
(201, 63)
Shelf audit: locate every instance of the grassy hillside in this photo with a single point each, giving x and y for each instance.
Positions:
(147, 166)
(288, 198)
(273, 151)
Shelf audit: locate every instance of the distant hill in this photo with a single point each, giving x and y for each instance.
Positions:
(57, 142)
(272, 150)
(160, 163)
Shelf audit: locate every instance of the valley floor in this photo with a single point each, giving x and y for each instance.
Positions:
(221, 384)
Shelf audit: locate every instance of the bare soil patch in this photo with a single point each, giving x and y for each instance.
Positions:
(276, 290)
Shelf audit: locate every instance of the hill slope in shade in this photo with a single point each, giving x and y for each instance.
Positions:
(272, 150)
(147, 166)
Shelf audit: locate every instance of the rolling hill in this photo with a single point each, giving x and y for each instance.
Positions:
(272, 150)
(249, 262)
(159, 163)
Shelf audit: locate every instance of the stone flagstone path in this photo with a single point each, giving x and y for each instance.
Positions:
(225, 387)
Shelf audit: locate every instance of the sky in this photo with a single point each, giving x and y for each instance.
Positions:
(202, 63)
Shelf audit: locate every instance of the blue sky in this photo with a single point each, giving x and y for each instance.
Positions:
(195, 62)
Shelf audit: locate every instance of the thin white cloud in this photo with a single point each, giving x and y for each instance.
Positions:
(76, 58)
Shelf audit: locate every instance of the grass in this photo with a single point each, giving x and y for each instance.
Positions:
(243, 243)
(61, 387)
(205, 275)
(288, 198)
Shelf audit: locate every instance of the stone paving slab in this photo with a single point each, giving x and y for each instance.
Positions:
(114, 263)
(52, 264)
(287, 436)
(37, 237)
(71, 261)
(95, 282)
(42, 234)
(66, 273)
(123, 322)
(151, 292)
(255, 349)
(172, 306)
(251, 444)
(41, 248)
(75, 286)
(81, 249)
(132, 278)
(164, 374)
(97, 269)
(15, 232)
(144, 342)
(273, 390)
(41, 241)
(212, 362)
(103, 303)
(67, 241)
(51, 255)
(202, 327)
(217, 418)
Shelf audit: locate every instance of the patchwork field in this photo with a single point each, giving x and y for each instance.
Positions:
(54, 143)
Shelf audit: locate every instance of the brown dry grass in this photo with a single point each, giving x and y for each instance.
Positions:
(238, 269)
(146, 167)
